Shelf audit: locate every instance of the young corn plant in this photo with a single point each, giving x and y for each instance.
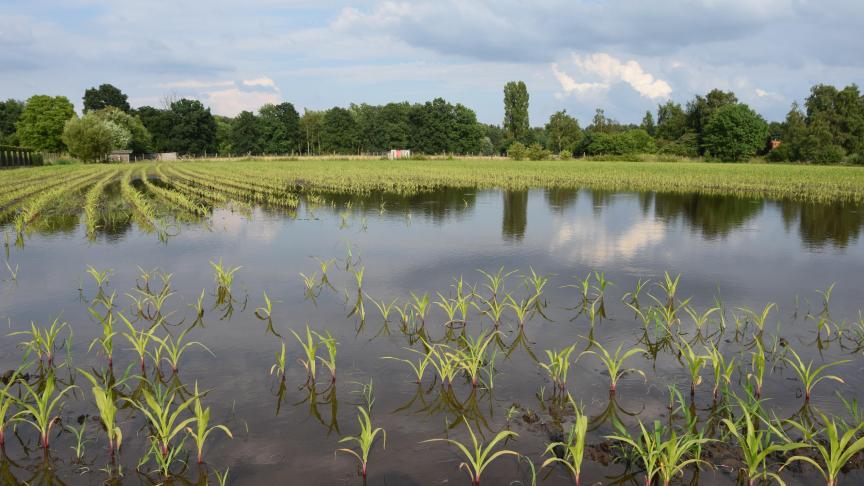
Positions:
(279, 366)
(39, 409)
(810, 376)
(521, 308)
(421, 306)
(419, 368)
(758, 445)
(42, 342)
(495, 282)
(174, 349)
(664, 453)
(310, 348)
(758, 363)
(669, 285)
(330, 345)
(80, 440)
(615, 363)
(571, 452)
(841, 444)
(722, 371)
(478, 456)
(365, 440)
(444, 361)
(6, 402)
(106, 341)
(202, 430)
(140, 340)
(473, 356)
(164, 417)
(558, 366)
(760, 319)
(265, 312)
(694, 363)
(106, 403)
(224, 277)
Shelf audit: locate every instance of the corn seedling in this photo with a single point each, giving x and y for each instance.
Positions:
(13, 272)
(473, 356)
(106, 403)
(694, 363)
(444, 361)
(521, 308)
(662, 451)
(202, 430)
(39, 409)
(495, 282)
(421, 306)
(721, 370)
(615, 363)
(669, 285)
(840, 446)
(80, 440)
(365, 440)
(558, 365)
(478, 456)
(175, 348)
(266, 311)
(42, 342)
(310, 348)
(224, 277)
(384, 308)
(6, 402)
(571, 452)
(279, 366)
(759, 319)
(100, 277)
(757, 368)
(163, 416)
(106, 341)
(418, 368)
(140, 340)
(535, 283)
(757, 444)
(330, 344)
(809, 376)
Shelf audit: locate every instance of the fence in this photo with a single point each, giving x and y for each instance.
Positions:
(19, 156)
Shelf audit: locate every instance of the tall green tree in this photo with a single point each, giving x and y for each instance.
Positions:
(10, 112)
(702, 108)
(840, 113)
(671, 121)
(310, 131)
(42, 121)
(516, 124)
(246, 134)
(280, 129)
(563, 132)
(734, 133)
(160, 124)
(194, 129)
(339, 131)
(648, 123)
(104, 96)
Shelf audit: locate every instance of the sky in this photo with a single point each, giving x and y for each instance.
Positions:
(625, 56)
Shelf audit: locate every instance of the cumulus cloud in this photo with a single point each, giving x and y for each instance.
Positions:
(195, 84)
(230, 102)
(610, 70)
(263, 81)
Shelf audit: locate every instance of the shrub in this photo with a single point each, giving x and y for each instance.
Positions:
(538, 152)
(517, 151)
(565, 155)
(734, 133)
(91, 138)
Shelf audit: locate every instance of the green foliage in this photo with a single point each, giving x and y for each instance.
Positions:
(537, 152)
(516, 125)
(619, 143)
(105, 96)
(139, 141)
(563, 132)
(91, 138)
(42, 122)
(245, 134)
(338, 131)
(10, 112)
(517, 151)
(279, 129)
(734, 133)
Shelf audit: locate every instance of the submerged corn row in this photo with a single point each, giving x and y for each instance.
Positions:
(92, 199)
(173, 197)
(36, 205)
(139, 203)
(172, 177)
(259, 189)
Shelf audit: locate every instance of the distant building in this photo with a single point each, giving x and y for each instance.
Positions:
(775, 144)
(120, 156)
(399, 154)
(166, 156)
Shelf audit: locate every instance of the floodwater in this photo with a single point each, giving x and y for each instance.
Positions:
(744, 252)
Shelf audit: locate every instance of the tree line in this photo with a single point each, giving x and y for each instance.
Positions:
(828, 128)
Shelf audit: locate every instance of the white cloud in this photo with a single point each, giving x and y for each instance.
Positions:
(769, 95)
(569, 85)
(611, 69)
(230, 102)
(195, 84)
(263, 81)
